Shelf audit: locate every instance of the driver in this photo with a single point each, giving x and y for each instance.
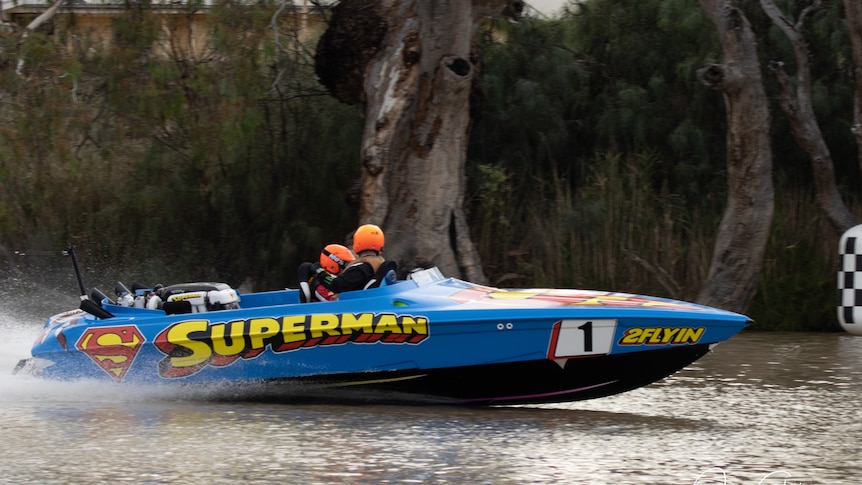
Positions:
(368, 245)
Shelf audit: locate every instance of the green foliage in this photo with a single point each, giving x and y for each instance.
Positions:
(208, 159)
(613, 156)
(137, 29)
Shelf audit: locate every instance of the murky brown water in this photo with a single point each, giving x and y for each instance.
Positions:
(763, 408)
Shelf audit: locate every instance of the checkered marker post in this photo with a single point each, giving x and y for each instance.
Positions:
(850, 281)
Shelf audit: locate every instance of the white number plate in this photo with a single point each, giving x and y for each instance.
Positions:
(575, 338)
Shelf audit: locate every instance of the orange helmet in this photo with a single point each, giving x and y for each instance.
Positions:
(368, 237)
(335, 257)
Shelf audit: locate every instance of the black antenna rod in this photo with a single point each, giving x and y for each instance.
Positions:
(71, 252)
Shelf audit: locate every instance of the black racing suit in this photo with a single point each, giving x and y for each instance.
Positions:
(355, 276)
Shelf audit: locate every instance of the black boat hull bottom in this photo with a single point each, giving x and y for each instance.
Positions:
(529, 382)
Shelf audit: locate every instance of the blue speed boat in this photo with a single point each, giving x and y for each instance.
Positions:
(426, 339)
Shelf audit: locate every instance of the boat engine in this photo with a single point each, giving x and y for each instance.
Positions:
(198, 298)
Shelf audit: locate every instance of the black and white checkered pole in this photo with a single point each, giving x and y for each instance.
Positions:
(850, 281)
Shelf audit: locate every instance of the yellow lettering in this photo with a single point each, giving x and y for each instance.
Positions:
(237, 340)
(325, 323)
(669, 333)
(645, 334)
(351, 323)
(293, 328)
(260, 329)
(662, 335)
(631, 336)
(656, 336)
(415, 325)
(690, 335)
(387, 323)
(179, 335)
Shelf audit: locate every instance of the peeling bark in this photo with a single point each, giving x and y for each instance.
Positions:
(415, 85)
(744, 229)
(799, 109)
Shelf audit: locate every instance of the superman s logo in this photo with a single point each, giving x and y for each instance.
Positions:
(112, 348)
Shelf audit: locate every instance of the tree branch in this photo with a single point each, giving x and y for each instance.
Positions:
(33, 25)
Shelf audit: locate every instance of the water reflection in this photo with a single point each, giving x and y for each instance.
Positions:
(763, 408)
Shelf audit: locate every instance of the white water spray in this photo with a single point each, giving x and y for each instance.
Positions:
(24, 308)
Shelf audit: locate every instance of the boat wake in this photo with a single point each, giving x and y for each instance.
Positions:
(18, 336)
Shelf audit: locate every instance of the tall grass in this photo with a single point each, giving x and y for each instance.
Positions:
(798, 288)
(615, 231)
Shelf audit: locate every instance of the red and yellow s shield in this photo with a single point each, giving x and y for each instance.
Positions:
(112, 348)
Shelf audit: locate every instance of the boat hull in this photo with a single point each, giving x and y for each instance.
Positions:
(435, 340)
(531, 382)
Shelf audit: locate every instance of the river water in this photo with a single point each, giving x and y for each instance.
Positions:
(762, 408)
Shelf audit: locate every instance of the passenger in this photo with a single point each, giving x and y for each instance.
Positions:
(333, 259)
(367, 244)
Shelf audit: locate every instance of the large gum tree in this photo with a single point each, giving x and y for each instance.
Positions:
(744, 230)
(411, 64)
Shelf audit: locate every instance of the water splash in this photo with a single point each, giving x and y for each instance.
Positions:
(18, 334)
(26, 305)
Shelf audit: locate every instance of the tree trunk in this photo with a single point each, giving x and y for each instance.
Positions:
(799, 109)
(853, 10)
(744, 230)
(413, 61)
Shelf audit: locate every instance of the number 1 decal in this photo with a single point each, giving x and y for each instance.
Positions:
(576, 338)
(588, 335)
